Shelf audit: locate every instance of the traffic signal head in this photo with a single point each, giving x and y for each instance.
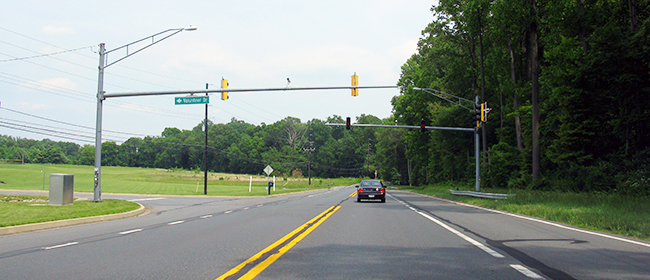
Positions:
(476, 115)
(224, 85)
(355, 83)
(422, 126)
(347, 123)
(483, 115)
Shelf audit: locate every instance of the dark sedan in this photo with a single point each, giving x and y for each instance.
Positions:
(371, 189)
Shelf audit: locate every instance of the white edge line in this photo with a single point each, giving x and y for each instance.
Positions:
(176, 223)
(62, 245)
(557, 225)
(131, 231)
(525, 271)
(147, 199)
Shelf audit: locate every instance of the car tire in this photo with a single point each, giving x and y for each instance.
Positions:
(383, 200)
(358, 199)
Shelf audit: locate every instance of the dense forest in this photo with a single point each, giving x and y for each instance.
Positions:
(568, 83)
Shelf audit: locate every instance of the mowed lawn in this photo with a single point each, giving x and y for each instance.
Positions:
(152, 181)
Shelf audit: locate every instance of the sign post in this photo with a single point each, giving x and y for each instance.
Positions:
(268, 170)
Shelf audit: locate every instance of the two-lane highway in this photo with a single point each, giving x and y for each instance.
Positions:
(323, 234)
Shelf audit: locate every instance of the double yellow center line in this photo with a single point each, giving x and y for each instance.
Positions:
(260, 261)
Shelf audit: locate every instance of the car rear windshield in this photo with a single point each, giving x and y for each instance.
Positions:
(370, 184)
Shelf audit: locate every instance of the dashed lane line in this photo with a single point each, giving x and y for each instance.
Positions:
(525, 271)
(61, 246)
(131, 231)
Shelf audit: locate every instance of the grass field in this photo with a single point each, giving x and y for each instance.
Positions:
(624, 215)
(154, 181)
(20, 210)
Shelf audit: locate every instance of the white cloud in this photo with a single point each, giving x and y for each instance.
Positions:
(57, 30)
(55, 83)
(34, 106)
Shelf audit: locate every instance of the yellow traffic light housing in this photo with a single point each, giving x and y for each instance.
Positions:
(355, 83)
(224, 85)
(483, 112)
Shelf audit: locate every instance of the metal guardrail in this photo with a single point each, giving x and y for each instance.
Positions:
(482, 195)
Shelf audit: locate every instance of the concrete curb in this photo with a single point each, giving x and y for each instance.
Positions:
(73, 222)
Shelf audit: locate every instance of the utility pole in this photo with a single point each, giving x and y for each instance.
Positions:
(309, 150)
(368, 157)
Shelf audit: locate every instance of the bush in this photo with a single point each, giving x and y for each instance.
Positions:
(504, 164)
(634, 183)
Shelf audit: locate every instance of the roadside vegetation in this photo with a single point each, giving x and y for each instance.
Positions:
(21, 209)
(619, 214)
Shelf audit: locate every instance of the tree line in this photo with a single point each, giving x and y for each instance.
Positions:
(234, 147)
(568, 82)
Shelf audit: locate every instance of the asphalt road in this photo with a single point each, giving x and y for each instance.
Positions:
(320, 235)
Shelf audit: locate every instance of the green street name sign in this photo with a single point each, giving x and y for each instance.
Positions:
(192, 100)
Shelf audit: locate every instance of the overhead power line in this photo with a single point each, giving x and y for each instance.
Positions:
(41, 55)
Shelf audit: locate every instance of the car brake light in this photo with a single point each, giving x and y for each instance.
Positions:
(383, 190)
(360, 190)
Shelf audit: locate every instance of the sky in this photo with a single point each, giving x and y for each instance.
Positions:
(49, 62)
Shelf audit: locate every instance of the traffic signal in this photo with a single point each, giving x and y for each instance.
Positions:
(484, 112)
(422, 126)
(476, 114)
(355, 83)
(224, 85)
(347, 123)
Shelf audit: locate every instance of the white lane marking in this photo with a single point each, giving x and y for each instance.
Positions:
(467, 238)
(556, 225)
(246, 208)
(62, 245)
(206, 216)
(130, 231)
(260, 205)
(228, 212)
(147, 199)
(176, 223)
(458, 233)
(525, 271)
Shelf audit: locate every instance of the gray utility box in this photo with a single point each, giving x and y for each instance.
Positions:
(61, 189)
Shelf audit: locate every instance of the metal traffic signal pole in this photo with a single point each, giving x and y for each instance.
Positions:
(477, 154)
(103, 64)
(101, 96)
(205, 151)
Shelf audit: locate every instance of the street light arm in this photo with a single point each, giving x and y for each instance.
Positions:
(429, 90)
(97, 196)
(153, 42)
